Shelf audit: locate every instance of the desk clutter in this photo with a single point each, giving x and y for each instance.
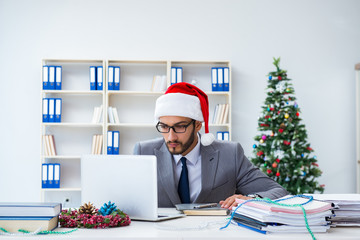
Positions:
(296, 214)
(43, 218)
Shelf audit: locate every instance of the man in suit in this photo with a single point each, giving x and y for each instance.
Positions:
(194, 167)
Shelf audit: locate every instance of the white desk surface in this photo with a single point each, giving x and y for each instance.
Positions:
(151, 230)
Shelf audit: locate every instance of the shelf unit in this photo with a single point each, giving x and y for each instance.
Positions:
(73, 135)
(357, 78)
(135, 104)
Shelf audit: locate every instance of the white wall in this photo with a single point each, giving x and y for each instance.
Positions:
(317, 40)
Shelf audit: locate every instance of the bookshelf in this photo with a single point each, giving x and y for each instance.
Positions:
(357, 79)
(134, 102)
(73, 135)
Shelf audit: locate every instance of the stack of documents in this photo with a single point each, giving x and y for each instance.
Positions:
(346, 209)
(264, 216)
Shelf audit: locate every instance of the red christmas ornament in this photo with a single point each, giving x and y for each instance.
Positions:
(260, 153)
(268, 171)
(281, 130)
(315, 164)
(297, 114)
(277, 174)
(264, 125)
(267, 116)
(279, 112)
(272, 109)
(274, 165)
(309, 148)
(287, 143)
(279, 77)
(278, 160)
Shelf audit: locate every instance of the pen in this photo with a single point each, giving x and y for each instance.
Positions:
(207, 205)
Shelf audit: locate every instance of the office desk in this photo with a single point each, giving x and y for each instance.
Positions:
(150, 230)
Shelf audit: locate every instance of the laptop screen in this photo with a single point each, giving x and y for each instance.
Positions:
(129, 181)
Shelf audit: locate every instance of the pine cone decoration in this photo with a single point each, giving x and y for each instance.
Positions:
(87, 208)
(107, 208)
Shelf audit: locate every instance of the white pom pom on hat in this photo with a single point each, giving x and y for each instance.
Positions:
(186, 100)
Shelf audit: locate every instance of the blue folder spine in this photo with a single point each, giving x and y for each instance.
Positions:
(92, 70)
(45, 77)
(220, 79)
(179, 73)
(116, 141)
(58, 110)
(111, 78)
(56, 175)
(109, 142)
(44, 177)
(116, 78)
(214, 79)
(45, 110)
(58, 77)
(173, 75)
(51, 78)
(99, 78)
(226, 79)
(51, 110)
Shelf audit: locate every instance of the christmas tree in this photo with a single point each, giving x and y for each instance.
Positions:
(282, 151)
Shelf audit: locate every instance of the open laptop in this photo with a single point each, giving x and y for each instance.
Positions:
(129, 181)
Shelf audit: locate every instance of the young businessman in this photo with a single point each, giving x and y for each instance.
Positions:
(194, 167)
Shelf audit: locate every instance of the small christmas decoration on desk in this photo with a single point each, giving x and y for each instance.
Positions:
(281, 150)
(88, 216)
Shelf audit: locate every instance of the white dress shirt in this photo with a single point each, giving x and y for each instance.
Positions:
(193, 162)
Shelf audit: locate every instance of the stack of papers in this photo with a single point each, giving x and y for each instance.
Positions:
(264, 216)
(346, 209)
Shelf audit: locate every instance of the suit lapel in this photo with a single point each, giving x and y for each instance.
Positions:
(166, 173)
(209, 162)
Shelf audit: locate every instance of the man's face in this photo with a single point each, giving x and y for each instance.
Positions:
(180, 143)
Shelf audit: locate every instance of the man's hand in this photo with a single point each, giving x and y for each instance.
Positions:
(230, 201)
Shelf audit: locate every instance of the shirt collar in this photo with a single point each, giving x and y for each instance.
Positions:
(192, 156)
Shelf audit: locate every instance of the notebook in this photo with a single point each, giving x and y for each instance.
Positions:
(129, 181)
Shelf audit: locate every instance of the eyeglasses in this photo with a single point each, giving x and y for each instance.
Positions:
(178, 128)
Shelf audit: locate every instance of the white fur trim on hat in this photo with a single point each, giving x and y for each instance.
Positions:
(178, 104)
(207, 139)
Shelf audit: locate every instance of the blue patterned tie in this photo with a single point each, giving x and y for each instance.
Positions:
(183, 188)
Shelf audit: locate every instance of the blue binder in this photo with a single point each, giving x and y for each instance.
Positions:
(51, 77)
(99, 78)
(45, 110)
(111, 78)
(56, 175)
(45, 77)
(116, 141)
(214, 79)
(51, 110)
(109, 142)
(116, 78)
(58, 106)
(173, 75)
(58, 77)
(220, 79)
(226, 136)
(92, 70)
(219, 135)
(226, 79)
(50, 175)
(179, 73)
(44, 176)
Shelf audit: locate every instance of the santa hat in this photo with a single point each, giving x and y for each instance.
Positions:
(186, 100)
